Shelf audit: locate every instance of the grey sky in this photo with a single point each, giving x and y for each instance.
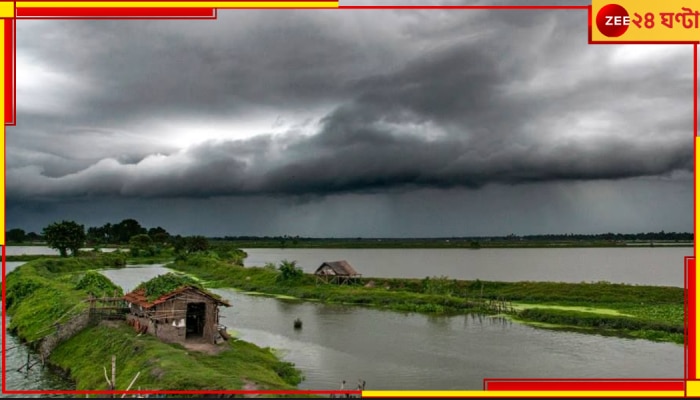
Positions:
(350, 123)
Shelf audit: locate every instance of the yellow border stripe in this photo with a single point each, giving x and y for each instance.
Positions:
(183, 4)
(504, 393)
(7, 9)
(692, 388)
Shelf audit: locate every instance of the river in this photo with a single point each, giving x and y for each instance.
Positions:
(660, 266)
(37, 378)
(405, 351)
(643, 266)
(408, 351)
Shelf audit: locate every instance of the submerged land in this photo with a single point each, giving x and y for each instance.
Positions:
(47, 291)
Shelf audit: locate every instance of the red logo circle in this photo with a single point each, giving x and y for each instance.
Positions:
(612, 20)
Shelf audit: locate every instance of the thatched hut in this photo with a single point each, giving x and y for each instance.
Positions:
(340, 272)
(175, 309)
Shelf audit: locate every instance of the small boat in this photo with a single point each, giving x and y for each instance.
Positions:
(297, 323)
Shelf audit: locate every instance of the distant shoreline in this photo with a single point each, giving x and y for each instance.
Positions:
(441, 244)
(406, 244)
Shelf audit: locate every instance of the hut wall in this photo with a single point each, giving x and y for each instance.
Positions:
(168, 320)
(326, 270)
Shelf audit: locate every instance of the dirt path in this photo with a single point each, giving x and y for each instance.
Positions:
(208, 348)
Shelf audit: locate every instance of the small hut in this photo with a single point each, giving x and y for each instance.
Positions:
(340, 272)
(175, 309)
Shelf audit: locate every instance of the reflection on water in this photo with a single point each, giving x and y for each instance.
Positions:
(393, 350)
(643, 266)
(37, 378)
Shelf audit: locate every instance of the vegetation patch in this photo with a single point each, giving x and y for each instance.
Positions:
(168, 366)
(649, 312)
(593, 310)
(98, 285)
(45, 292)
(166, 283)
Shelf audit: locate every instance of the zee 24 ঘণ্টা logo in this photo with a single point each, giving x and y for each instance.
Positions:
(613, 20)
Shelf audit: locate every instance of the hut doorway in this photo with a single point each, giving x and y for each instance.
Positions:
(195, 320)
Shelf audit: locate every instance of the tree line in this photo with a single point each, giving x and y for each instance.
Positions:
(69, 236)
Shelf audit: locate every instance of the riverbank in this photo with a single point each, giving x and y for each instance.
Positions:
(632, 311)
(46, 293)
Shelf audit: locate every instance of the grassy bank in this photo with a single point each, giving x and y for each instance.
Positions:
(48, 291)
(44, 292)
(650, 312)
(167, 366)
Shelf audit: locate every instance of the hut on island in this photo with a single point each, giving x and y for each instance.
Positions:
(340, 272)
(175, 309)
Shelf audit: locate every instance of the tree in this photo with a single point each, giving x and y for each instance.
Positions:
(97, 235)
(289, 271)
(141, 244)
(65, 235)
(197, 243)
(190, 244)
(16, 235)
(33, 237)
(159, 235)
(124, 230)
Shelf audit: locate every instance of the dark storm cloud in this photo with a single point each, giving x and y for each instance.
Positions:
(417, 99)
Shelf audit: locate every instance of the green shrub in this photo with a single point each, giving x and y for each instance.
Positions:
(289, 271)
(166, 283)
(98, 285)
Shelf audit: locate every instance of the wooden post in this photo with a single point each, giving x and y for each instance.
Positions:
(132, 383)
(114, 374)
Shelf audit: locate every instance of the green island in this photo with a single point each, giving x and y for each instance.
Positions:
(48, 292)
(632, 311)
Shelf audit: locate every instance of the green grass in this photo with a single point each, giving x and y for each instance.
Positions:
(51, 290)
(44, 291)
(649, 312)
(168, 366)
(166, 283)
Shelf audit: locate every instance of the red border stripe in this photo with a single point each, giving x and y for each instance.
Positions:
(586, 386)
(114, 12)
(10, 88)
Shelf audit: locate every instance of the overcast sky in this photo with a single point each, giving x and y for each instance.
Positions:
(350, 123)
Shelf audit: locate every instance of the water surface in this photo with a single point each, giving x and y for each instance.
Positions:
(643, 266)
(397, 351)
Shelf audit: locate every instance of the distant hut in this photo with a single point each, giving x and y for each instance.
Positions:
(175, 309)
(340, 272)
